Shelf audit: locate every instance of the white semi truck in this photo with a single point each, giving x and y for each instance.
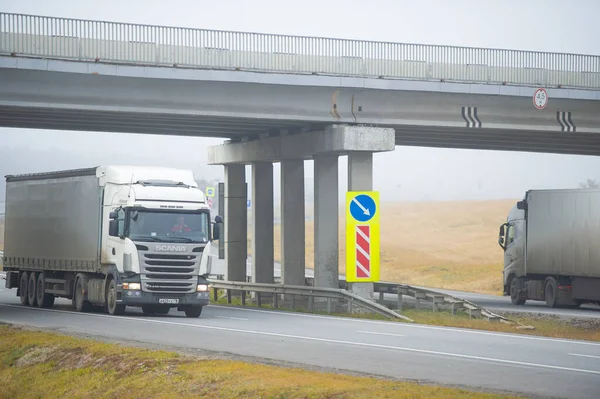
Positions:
(551, 248)
(109, 237)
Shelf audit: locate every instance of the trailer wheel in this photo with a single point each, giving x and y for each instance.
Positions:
(23, 284)
(114, 308)
(515, 292)
(43, 300)
(31, 283)
(551, 292)
(81, 305)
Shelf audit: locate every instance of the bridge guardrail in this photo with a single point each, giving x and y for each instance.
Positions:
(102, 41)
(302, 291)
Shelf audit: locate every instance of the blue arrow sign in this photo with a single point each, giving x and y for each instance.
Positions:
(363, 208)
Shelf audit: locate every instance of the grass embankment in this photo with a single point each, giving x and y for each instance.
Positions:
(451, 245)
(37, 364)
(544, 325)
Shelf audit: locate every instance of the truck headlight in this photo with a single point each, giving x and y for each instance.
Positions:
(202, 288)
(132, 286)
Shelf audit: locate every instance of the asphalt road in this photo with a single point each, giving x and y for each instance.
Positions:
(529, 365)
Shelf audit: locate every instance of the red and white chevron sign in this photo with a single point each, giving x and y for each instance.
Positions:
(363, 251)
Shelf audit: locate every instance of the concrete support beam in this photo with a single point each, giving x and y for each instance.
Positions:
(262, 222)
(360, 178)
(335, 139)
(292, 222)
(326, 221)
(235, 220)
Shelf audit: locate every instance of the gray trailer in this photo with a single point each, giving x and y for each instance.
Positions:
(551, 248)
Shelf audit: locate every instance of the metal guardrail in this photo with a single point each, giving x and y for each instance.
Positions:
(437, 299)
(303, 291)
(103, 41)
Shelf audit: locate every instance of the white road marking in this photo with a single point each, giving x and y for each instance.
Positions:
(578, 354)
(379, 333)
(325, 340)
(395, 324)
(407, 325)
(231, 318)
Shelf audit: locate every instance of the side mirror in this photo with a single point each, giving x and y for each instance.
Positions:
(501, 235)
(218, 219)
(521, 205)
(113, 228)
(113, 215)
(216, 231)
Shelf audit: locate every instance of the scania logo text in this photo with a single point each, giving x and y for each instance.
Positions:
(170, 248)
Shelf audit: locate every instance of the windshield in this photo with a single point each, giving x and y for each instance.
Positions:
(146, 225)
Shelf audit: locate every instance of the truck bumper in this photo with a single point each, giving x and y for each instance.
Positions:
(140, 298)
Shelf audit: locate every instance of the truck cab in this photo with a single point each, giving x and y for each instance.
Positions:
(511, 239)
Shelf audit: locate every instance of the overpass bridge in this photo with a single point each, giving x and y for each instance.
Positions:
(287, 99)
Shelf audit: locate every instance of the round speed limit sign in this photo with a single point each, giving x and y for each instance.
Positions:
(540, 98)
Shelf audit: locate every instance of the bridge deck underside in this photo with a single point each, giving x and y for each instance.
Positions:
(238, 128)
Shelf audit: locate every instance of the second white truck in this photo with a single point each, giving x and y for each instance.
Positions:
(109, 237)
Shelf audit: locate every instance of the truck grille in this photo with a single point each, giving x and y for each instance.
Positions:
(169, 273)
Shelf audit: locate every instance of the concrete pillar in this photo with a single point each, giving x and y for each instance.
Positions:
(292, 222)
(360, 178)
(262, 222)
(326, 221)
(235, 221)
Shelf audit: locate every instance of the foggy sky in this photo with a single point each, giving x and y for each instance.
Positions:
(409, 173)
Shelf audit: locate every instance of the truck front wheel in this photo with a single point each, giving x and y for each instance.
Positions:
(114, 308)
(195, 311)
(515, 292)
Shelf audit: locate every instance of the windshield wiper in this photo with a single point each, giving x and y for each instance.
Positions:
(145, 238)
(181, 239)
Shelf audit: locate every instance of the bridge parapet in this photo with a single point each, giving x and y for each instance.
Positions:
(113, 42)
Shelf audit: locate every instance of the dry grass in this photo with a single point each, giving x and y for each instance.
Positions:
(545, 325)
(68, 367)
(451, 245)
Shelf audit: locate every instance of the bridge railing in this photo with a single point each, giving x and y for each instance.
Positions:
(86, 40)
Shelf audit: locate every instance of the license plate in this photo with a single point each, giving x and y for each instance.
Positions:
(169, 301)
